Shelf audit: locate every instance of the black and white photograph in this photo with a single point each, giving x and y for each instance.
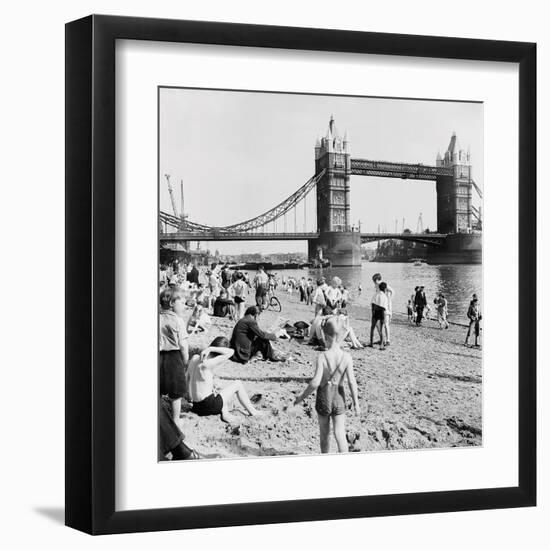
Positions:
(320, 273)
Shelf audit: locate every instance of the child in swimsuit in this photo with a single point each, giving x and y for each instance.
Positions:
(333, 367)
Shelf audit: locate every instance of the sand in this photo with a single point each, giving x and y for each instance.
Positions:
(423, 391)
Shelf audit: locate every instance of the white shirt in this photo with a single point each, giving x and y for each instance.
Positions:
(238, 288)
(333, 294)
(380, 299)
(319, 297)
(261, 278)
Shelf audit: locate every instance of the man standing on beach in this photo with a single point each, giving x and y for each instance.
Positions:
(309, 292)
(420, 303)
(376, 279)
(193, 275)
(303, 285)
(441, 306)
(379, 306)
(474, 315)
(261, 281)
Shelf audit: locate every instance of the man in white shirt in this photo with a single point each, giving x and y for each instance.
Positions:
(319, 297)
(379, 305)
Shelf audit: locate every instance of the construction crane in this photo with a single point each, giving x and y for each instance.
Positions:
(172, 199)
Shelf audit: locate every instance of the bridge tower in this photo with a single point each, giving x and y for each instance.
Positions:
(454, 193)
(337, 242)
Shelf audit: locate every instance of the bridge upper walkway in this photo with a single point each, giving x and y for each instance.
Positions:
(213, 235)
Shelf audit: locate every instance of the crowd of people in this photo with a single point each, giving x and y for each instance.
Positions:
(190, 297)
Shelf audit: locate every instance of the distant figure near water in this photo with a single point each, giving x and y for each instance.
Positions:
(441, 306)
(474, 315)
(420, 302)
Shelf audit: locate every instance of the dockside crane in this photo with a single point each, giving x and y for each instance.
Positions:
(172, 198)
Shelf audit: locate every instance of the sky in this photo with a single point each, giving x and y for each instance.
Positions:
(241, 153)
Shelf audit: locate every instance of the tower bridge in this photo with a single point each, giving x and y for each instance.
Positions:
(458, 236)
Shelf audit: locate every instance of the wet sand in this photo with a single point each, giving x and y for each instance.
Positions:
(424, 390)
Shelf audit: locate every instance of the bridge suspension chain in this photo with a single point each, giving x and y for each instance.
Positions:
(252, 224)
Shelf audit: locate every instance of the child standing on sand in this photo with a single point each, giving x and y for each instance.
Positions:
(174, 349)
(410, 314)
(333, 367)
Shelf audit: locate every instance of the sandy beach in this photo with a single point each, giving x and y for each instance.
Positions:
(425, 390)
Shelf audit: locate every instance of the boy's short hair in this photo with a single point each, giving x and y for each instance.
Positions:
(252, 310)
(168, 296)
(382, 286)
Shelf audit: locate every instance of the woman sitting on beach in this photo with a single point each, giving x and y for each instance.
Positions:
(316, 330)
(223, 306)
(199, 320)
(200, 380)
(333, 367)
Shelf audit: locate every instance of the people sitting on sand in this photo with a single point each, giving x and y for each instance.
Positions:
(316, 331)
(223, 305)
(206, 399)
(474, 317)
(248, 339)
(379, 305)
(333, 367)
(199, 320)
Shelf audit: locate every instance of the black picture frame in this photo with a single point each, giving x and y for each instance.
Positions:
(90, 273)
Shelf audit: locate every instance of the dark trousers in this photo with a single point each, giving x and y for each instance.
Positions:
(263, 346)
(475, 325)
(261, 296)
(419, 314)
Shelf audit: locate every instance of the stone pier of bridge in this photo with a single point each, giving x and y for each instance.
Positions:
(339, 244)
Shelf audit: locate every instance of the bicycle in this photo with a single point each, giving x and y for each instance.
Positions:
(272, 303)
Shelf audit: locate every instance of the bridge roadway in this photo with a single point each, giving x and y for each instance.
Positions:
(184, 236)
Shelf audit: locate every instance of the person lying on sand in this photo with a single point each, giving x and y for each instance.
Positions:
(206, 399)
(333, 367)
